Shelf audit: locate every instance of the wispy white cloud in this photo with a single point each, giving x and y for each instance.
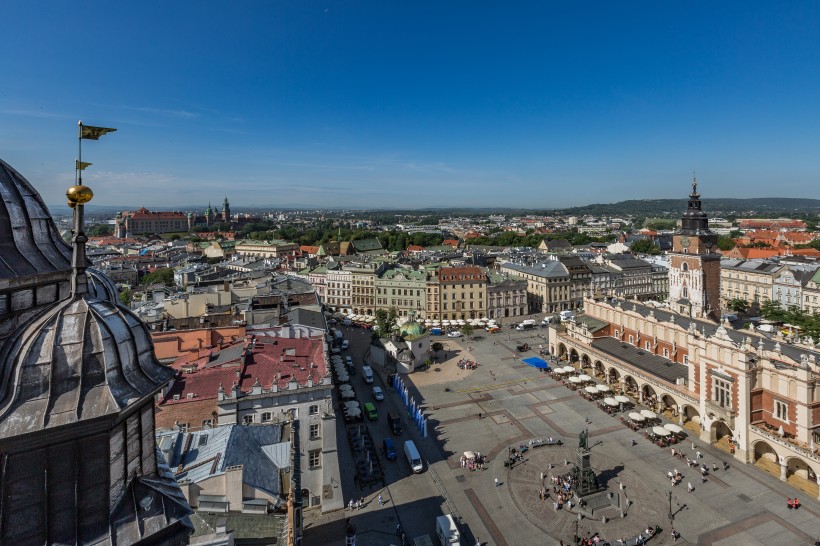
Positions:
(22, 112)
(179, 114)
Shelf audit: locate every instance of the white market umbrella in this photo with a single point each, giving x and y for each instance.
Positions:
(345, 387)
(569, 369)
(660, 431)
(603, 388)
(461, 322)
(436, 323)
(347, 394)
(648, 414)
(558, 371)
(584, 377)
(673, 428)
(609, 401)
(344, 377)
(622, 399)
(575, 380)
(637, 417)
(352, 404)
(353, 412)
(591, 390)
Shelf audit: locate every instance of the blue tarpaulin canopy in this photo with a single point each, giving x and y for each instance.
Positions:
(536, 362)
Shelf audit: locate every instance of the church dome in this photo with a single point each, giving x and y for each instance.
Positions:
(411, 328)
(83, 359)
(30, 243)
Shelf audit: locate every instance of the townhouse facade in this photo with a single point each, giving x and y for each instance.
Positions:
(506, 296)
(462, 292)
(750, 280)
(338, 290)
(403, 289)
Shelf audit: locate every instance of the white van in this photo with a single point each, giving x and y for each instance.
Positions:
(413, 457)
(368, 374)
(447, 531)
(526, 325)
(567, 315)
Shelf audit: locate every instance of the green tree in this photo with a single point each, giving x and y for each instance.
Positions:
(437, 347)
(725, 243)
(100, 230)
(163, 276)
(125, 297)
(739, 305)
(467, 330)
(644, 246)
(772, 310)
(386, 320)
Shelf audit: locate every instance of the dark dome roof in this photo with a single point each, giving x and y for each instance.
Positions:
(82, 359)
(29, 241)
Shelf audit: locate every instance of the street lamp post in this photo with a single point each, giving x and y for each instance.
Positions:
(671, 515)
(577, 523)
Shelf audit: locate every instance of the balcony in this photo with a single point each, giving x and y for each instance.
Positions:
(770, 433)
(727, 414)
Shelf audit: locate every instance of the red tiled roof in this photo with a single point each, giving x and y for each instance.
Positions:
(273, 359)
(451, 242)
(309, 249)
(145, 214)
(415, 248)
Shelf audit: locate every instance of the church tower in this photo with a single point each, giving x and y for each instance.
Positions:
(226, 211)
(694, 268)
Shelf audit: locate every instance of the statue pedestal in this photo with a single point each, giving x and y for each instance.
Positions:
(586, 483)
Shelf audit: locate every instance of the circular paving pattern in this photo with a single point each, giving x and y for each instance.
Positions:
(648, 506)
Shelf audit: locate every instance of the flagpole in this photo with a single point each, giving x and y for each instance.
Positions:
(78, 171)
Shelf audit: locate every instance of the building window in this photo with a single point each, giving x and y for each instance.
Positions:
(266, 417)
(313, 410)
(723, 393)
(666, 353)
(207, 423)
(314, 431)
(781, 411)
(247, 419)
(632, 339)
(183, 427)
(648, 345)
(315, 458)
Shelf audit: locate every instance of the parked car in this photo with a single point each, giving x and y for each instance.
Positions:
(348, 361)
(378, 394)
(454, 333)
(345, 344)
(389, 449)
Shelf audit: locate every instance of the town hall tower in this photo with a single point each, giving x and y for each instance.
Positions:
(694, 268)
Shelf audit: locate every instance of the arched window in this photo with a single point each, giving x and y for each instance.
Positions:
(684, 267)
(685, 292)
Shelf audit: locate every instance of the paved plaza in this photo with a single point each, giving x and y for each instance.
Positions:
(740, 505)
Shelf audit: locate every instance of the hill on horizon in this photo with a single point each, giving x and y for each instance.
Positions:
(634, 207)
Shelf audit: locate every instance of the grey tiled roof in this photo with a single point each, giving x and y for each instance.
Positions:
(709, 328)
(549, 268)
(211, 451)
(652, 364)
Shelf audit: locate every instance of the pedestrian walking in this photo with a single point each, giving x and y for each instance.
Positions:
(689, 485)
(381, 500)
(496, 482)
(693, 446)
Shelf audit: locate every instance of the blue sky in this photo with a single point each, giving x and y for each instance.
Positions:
(413, 104)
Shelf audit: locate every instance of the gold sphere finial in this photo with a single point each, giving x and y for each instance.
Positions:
(79, 195)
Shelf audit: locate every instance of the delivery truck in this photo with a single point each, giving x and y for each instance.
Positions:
(447, 531)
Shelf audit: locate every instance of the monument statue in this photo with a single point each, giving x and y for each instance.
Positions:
(582, 440)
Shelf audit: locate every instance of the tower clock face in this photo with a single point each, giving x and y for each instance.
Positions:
(684, 242)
